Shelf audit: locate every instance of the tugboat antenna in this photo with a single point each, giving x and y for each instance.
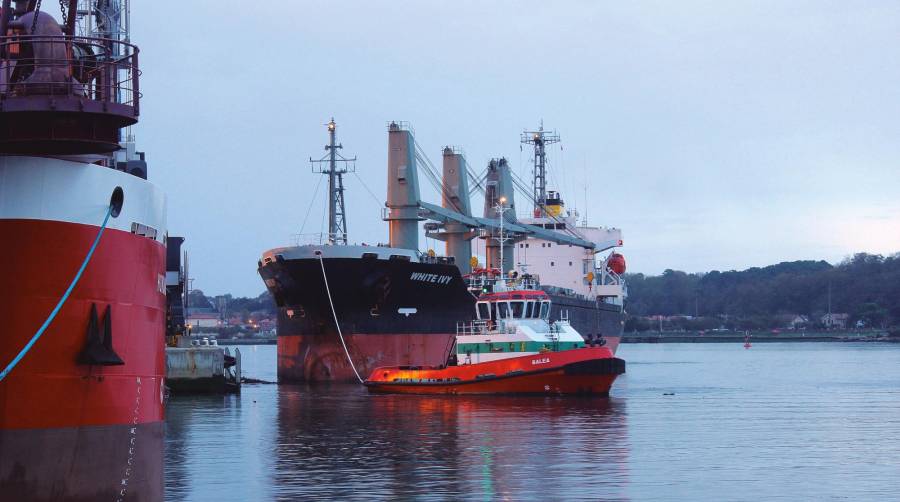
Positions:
(329, 164)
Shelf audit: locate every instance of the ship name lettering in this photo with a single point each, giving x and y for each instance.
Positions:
(543, 360)
(432, 278)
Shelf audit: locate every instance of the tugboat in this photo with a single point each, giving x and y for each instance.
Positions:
(511, 347)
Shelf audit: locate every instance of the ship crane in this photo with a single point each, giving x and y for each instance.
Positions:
(452, 221)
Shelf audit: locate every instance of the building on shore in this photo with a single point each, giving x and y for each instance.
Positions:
(835, 321)
(203, 320)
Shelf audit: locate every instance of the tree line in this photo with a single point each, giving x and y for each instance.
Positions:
(232, 306)
(865, 286)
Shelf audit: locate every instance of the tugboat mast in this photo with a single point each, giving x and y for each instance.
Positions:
(540, 139)
(337, 221)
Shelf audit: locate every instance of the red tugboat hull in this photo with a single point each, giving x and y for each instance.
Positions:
(590, 371)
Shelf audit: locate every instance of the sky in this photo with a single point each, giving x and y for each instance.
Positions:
(716, 135)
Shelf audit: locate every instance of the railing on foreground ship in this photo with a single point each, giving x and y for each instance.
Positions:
(90, 69)
(63, 95)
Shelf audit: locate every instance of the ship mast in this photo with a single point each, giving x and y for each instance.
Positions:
(335, 166)
(540, 139)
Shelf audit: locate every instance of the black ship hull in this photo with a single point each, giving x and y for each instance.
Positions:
(593, 319)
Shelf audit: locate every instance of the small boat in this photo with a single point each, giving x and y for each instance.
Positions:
(510, 347)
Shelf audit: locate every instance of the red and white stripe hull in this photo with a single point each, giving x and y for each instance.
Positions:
(69, 430)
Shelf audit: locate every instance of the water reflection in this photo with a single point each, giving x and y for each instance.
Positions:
(339, 441)
(701, 421)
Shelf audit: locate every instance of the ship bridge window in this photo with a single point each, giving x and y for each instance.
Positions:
(502, 310)
(517, 309)
(545, 310)
(529, 309)
(484, 310)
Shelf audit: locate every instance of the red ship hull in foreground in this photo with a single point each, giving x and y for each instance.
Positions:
(82, 266)
(588, 371)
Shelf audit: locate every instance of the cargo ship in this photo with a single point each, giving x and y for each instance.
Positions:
(346, 309)
(82, 288)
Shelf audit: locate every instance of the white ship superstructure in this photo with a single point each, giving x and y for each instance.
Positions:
(593, 274)
(585, 272)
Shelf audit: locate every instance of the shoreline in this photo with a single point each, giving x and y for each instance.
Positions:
(758, 337)
(691, 337)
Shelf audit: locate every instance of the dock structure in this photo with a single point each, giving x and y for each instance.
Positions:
(203, 369)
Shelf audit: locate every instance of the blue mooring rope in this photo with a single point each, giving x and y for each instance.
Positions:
(62, 300)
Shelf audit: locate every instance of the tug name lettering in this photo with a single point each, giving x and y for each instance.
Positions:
(434, 278)
(543, 360)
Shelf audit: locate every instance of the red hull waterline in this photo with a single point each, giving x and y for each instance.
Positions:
(72, 431)
(587, 371)
(321, 358)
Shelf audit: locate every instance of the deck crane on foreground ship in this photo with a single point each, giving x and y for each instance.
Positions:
(346, 309)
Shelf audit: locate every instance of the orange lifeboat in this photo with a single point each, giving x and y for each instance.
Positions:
(616, 263)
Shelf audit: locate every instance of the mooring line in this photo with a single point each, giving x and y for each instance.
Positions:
(62, 300)
(336, 323)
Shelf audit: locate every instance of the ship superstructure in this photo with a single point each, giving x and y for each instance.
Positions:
(345, 309)
(576, 277)
(82, 268)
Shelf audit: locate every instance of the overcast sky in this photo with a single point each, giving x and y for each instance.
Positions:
(717, 135)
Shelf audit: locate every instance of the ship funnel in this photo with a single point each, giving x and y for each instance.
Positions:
(402, 188)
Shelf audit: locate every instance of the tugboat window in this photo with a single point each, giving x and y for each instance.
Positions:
(529, 309)
(517, 309)
(545, 310)
(484, 310)
(502, 310)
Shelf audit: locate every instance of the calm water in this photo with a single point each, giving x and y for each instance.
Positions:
(778, 421)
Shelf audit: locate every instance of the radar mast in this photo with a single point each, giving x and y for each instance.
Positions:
(540, 139)
(335, 166)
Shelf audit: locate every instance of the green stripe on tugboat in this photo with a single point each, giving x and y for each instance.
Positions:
(524, 347)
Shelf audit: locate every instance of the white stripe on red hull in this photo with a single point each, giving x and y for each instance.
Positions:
(37, 188)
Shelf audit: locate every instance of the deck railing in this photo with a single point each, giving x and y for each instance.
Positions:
(86, 68)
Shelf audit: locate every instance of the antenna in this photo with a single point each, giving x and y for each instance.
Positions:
(337, 220)
(540, 139)
(500, 208)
